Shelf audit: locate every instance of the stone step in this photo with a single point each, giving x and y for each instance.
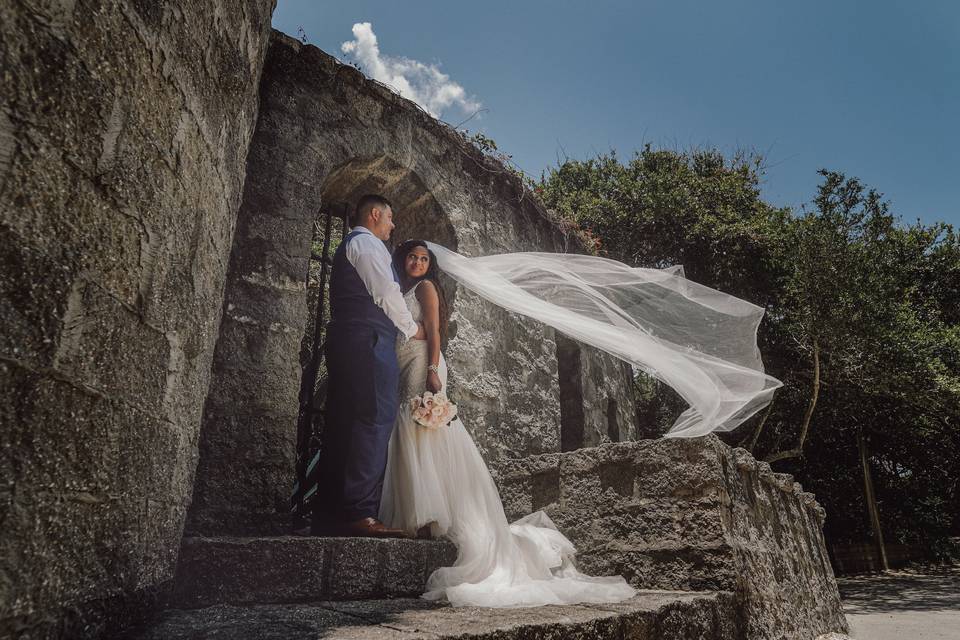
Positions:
(659, 615)
(299, 569)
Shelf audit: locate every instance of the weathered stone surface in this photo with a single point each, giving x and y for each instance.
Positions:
(124, 128)
(610, 410)
(301, 569)
(648, 616)
(596, 393)
(325, 135)
(689, 514)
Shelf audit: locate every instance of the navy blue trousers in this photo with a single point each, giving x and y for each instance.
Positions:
(362, 403)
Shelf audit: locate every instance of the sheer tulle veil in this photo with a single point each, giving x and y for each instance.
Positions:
(699, 341)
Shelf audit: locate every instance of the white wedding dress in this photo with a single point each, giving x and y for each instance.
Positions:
(438, 477)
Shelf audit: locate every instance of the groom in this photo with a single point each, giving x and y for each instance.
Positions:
(367, 311)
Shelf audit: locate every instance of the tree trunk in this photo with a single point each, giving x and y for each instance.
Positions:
(752, 439)
(871, 499)
(797, 451)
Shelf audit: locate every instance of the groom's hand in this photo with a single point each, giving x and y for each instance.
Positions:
(421, 333)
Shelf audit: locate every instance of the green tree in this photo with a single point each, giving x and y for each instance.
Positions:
(861, 324)
(868, 297)
(662, 208)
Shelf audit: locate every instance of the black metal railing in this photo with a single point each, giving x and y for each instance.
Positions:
(309, 438)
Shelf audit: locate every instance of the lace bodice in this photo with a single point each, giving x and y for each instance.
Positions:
(410, 297)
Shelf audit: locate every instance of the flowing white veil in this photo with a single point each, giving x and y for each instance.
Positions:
(699, 341)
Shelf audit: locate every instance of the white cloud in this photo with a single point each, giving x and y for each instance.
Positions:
(423, 83)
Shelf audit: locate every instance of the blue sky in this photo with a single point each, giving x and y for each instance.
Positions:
(870, 89)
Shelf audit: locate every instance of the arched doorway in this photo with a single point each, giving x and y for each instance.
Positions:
(249, 431)
(417, 215)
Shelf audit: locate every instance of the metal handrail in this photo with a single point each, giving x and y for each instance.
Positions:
(308, 445)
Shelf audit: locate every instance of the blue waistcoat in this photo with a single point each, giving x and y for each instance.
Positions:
(351, 305)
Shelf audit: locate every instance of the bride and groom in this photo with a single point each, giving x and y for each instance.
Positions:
(383, 475)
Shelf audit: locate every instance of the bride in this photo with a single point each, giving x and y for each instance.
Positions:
(436, 483)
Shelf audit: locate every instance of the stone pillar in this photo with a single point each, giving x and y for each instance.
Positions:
(124, 128)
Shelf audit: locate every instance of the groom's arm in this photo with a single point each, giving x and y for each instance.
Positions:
(372, 263)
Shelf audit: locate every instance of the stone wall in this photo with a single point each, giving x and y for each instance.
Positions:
(689, 514)
(124, 128)
(597, 399)
(326, 134)
(610, 409)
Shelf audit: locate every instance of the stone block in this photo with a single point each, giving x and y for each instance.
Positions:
(651, 615)
(300, 569)
(691, 514)
(124, 129)
(106, 346)
(89, 499)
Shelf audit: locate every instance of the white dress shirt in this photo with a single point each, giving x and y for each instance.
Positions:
(369, 256)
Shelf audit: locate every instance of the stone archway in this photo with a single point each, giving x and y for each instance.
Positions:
(248, 436)
(417, 213)
(325, 133)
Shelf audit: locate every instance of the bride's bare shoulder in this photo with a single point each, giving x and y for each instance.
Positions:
(426, 291)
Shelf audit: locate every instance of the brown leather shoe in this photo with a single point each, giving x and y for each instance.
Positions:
(371, 528)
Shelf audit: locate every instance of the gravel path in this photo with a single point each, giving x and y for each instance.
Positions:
(916, 604)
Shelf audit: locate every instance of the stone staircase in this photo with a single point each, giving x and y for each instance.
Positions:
(303, 569)
(722, 546)
(359, 588)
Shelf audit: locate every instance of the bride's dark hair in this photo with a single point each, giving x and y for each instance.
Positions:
(432, 274)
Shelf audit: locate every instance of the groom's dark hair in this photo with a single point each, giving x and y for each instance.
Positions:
(365, 205)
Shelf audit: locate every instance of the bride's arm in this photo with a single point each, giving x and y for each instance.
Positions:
(430, 305)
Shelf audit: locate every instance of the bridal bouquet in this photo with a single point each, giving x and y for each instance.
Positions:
(432, 411)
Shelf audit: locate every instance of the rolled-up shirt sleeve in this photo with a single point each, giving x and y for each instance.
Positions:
(371, 259)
